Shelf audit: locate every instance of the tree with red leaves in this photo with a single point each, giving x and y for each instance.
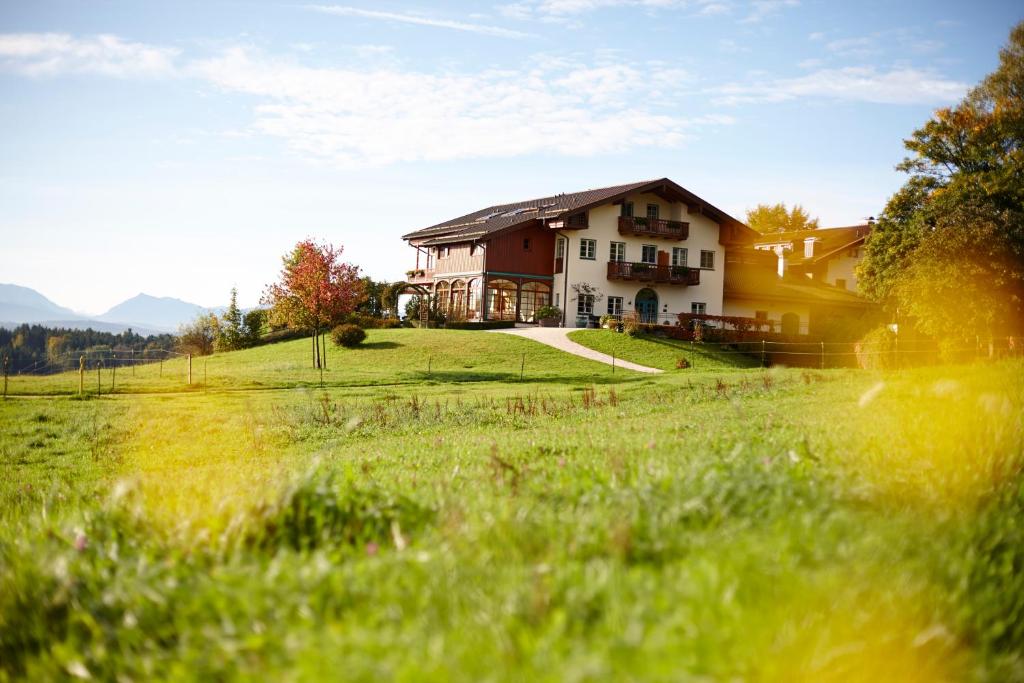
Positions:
(315, 290)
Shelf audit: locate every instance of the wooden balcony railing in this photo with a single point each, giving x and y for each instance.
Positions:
(648, 272)
(641, 226)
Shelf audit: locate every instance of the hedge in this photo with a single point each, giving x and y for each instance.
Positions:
(483, 325)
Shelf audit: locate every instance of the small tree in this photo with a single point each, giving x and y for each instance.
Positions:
(316, 289)
(231, 335)
(253, 323)
(199, 336)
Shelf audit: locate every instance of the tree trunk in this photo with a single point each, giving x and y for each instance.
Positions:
(314, 349)
(316, 346)
(323, 346)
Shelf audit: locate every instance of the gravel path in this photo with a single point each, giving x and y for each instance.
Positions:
(558, 337)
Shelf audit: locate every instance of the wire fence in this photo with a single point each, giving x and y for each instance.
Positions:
(105, 371)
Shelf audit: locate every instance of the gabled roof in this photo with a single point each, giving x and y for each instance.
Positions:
(494, 219)
(762, 283)
(828, 241)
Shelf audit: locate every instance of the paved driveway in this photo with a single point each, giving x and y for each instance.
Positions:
(558, 337)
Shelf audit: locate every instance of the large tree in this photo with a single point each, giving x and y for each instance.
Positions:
(767, 218)
(948, 249)
(315, 290)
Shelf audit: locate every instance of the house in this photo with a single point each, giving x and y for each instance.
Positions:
(791, 303)
(828, 255)
(650, 247)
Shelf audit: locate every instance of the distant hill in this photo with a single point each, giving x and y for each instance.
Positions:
(22, 304)
(143, 310)
(143, 313)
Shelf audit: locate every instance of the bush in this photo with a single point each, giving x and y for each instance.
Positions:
(482, 325)
(877, 349)
(548, 312)
(348, 335)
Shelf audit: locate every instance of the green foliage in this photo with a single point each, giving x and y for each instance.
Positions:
(877, 349)
(231, 334)
(480, 325)
(29, 346)
(547, 312)
(766, 218)
(199, 337)
(949, 248)
(254, 323)
(348, 335)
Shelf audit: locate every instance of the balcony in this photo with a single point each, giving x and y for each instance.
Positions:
(420, 276)
(639, 226)
(648, 272)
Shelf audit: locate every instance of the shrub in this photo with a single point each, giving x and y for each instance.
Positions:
(548, 312)
(348, 335)
(682, 364)
(877, 349)
(481, 325)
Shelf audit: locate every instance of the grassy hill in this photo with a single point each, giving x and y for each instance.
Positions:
(771, 525)
(662, 353)
(401, 356)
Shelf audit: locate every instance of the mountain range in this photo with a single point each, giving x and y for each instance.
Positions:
(142, 313)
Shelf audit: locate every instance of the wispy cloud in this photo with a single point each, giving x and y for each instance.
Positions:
(560, 10)
(762, 9)
(49, 54)
(350, 117)
(860, 84)
(419, 20)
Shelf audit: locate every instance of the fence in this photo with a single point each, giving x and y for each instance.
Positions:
(105, 372)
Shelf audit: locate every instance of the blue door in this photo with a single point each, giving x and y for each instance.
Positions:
(647, 305)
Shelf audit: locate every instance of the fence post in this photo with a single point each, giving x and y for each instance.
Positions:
(99, 381)
(613, 363)
(190, 369)
(113, 372)
(7, 366)
(763, 356)
(822, 355)
(522, 368)
(161, 368)
(133, 362)
(81, 375)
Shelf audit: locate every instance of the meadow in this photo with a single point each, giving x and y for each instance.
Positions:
(427, 515)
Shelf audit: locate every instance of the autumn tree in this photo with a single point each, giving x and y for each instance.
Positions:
(316, 289)
(767, 218)
(948, 249)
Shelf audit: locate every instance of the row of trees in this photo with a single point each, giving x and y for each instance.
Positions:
(948, 250)
(31, 345)
(229, 332)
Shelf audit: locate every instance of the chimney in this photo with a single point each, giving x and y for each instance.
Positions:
(809, 247)
(781, 253)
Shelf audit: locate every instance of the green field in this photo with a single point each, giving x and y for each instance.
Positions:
(663, 353)
(717, 523)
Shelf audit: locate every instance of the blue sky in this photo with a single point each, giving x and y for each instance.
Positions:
(181, 148)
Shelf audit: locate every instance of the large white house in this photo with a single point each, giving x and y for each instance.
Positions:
(652, 247)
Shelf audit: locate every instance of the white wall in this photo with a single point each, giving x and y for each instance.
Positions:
(604, 227)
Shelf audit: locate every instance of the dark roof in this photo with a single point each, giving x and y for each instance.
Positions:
(494, 219)
(763, 283)
(829, 241)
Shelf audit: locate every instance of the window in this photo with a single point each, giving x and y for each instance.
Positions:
(577, 220)
(560, 247)
(585, 304)
(442, 252)
(532, 296)
(615, 305)
(627, 209)
(698, 308)
(617, 252)
(678, 256)
(588, 249)
(761, 316)
(707, 259)
(558, 299)
(840, 283)
(526, 244)
(501, 300)
(652, 211)
(649, 253)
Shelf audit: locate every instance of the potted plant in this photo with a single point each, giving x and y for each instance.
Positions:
(548, 316)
